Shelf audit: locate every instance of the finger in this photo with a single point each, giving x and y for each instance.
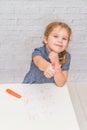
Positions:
(53, 65)
(48, 75)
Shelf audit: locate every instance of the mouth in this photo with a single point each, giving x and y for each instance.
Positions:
(59, 45)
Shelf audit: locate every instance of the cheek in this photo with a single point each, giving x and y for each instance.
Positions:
(52, 41)
(66, 45)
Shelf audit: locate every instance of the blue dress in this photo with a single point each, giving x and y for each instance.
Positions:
(35, 75)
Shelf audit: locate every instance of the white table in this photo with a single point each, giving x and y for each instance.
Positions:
(42, 106)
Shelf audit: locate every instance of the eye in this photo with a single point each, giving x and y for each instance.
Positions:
(65, 38)
(55, 36)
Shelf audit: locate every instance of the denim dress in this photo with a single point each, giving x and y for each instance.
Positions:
(34, 75)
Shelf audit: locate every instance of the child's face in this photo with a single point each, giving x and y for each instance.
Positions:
(58, 40)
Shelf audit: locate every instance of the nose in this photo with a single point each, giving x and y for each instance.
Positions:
(60, 39)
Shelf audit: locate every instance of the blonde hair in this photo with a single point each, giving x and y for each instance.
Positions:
(50, 28)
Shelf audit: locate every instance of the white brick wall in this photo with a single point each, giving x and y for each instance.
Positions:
(22, 23)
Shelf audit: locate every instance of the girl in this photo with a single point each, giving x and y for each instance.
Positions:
(51, 62)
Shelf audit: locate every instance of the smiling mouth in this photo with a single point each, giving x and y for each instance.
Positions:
(59, 45)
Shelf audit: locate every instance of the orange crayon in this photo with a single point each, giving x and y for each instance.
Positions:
(13, 93)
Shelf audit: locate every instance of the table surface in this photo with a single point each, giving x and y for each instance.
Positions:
(41, 106)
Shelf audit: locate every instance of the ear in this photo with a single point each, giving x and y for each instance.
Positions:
(45, 39)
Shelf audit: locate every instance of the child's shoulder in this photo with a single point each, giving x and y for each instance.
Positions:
(40, 47)
(39, 51)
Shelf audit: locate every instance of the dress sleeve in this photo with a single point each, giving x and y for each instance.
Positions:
(66, 65)
(37, 51)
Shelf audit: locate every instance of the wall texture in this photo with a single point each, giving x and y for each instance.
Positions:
(22, 23)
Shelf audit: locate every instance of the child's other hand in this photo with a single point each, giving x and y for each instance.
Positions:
(54, 57)
(49, 72)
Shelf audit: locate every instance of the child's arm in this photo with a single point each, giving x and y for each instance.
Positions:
(51, 69)
(44, 66)
(60, 76)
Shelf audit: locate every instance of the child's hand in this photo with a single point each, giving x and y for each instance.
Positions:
(50, 71)
(54, 65)
(54, 57)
